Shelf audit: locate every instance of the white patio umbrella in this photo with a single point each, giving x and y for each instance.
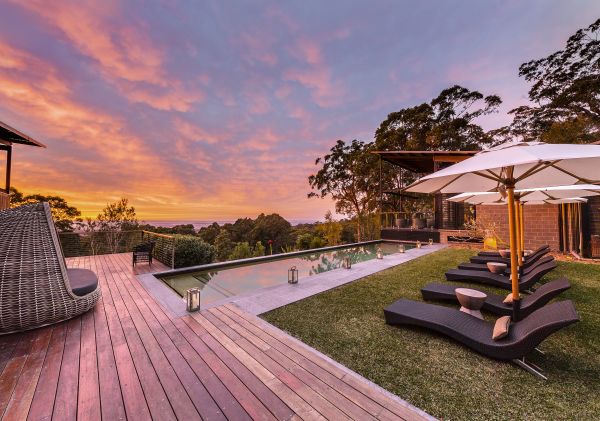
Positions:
(553, 196)
(516, 165)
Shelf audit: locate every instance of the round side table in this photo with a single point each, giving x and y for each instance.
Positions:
(471, 301)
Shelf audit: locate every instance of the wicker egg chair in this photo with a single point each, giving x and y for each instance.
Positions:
(36, 288)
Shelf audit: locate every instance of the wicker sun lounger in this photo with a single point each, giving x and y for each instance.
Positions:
(532, 258)
(525, 268)
(545, 248)
(36, 288)
(493, 303)
(523, 336)
(501, 281)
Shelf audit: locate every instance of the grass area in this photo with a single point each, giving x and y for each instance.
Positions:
(440, 376)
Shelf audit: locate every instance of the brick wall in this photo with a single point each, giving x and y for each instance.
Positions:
(541, 223)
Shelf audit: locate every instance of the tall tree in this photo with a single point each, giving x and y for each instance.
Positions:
(114, 220)
(271, 227)
(63, 214)
(565, 93)
(349, 174)
(448, 122)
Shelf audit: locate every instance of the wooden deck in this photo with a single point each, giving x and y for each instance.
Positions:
(128, 359)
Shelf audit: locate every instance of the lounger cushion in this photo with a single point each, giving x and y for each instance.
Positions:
(501, 328)
(82, 281)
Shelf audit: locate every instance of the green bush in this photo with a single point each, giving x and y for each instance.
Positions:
(241, 251)
(191, 251)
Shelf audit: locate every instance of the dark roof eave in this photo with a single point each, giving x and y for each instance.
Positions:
(11, 135)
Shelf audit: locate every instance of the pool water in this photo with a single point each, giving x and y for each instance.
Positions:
(230, 281)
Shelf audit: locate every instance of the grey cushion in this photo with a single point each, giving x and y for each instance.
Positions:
(83, 281)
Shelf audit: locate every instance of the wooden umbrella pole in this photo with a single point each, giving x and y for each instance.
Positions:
(522, 227)
(512, 231)
(518, 227)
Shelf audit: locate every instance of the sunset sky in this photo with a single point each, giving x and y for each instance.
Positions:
(213, 110)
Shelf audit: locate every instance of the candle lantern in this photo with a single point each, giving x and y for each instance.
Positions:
(192, 299)
(431, 241)
(379, 253)
(401, 248)
(347, 263)
(418, 244)
(292, 275)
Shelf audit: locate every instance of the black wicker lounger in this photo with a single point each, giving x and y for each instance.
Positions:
(493, 303)
(532, 258)
(525, 268)
(501, 281)
(523, 336)
(545, 248)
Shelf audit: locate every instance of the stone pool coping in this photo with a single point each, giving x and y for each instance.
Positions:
(266, 299)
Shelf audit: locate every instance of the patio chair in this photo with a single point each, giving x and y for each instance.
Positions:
(526, 281)
(525, 269)
(523, 336)
(494, 303)
(545, 248)
(532, 258)
(36, 288)
(143, 252)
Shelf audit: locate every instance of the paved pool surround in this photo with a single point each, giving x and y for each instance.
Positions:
(266, 299)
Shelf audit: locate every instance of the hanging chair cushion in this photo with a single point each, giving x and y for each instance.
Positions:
(82, 281)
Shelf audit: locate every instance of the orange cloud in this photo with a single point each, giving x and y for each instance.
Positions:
(125, 53)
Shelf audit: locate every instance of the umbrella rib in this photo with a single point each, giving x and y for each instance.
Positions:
(582, 180)
(535, 169)
(448, 183)
(493, 178)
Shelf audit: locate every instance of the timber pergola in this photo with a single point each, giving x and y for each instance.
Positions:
(9, 136)
(422, 163)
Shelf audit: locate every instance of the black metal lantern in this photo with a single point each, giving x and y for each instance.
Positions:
(379, 253)
(292, 275)
(401, 248)
(431, 241)
(192, 299)
(347, 263)
(418, 244)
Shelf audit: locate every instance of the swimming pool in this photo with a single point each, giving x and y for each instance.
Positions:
(218, 284)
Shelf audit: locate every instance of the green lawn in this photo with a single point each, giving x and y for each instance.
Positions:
(440, 376)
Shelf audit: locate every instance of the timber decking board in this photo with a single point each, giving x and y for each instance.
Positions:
(130, 359)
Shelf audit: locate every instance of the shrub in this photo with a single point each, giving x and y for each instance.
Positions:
(191, 251)
(241, 251)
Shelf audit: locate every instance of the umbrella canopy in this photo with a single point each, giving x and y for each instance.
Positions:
(532, 196)
(534, 164)
(520, 165)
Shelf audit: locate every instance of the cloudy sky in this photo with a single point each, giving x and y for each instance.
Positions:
(211, 110)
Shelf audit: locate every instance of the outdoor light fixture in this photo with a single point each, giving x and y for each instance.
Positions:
(379, 253)
(430, 241)
(347, 263)
(418, 244)
(401, 248)
(292, 275)
(192, 299)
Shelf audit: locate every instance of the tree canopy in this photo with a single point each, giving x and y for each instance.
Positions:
(565, 93)
(348, 174)
(64, 215)
(445, 123)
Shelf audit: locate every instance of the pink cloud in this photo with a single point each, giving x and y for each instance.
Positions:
(125, 53)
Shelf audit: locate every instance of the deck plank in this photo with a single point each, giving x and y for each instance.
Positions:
(88, 402)
(19, 404)
(12, 370)
(156, 398)
(42, 404)
(174, 390)
(65, 406)
(129, 358)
